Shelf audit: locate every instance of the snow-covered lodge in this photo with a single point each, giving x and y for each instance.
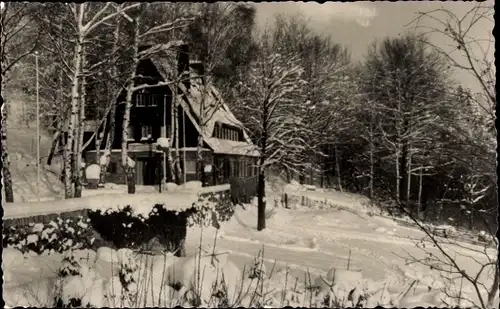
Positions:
(227, 150)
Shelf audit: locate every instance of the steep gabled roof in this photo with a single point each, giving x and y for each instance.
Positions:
(167, 65)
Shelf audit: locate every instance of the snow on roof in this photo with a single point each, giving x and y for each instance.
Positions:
(223, 146)
(214, 106)
(141, 203)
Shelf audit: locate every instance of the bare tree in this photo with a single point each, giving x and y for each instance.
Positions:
(469, 52)
(454, 259)
(409, 83)
(269, 97)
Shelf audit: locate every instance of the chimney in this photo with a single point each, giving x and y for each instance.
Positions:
(183, 65)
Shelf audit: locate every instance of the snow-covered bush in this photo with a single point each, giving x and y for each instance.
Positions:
(59, 236)
(212, 207)
(128, 270)
(125, 229)
(78, 285)
(206, 280)
(121, 228)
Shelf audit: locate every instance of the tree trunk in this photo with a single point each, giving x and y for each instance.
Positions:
(130, 174)
(60, 122)
(311, 175)
(75, 97)
(419, 201)
(177, 170)
(199, 149)
(126, 115)
(261, 181)
(114, 91)
(288, 175)
(337, 170)
(54, 145)
(301, 176)
(79, 162)
(170, 160)
(493, 291)
(322, 176)
(98, 140)
(408, 179)
(7, 177)
(398, 179)
(403, 165)
(372, 146)
(110, 138)
(261, 200)
(471, 219)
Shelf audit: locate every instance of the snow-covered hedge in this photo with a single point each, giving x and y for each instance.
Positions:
(123, 227)
(58, 236)
(126, 228)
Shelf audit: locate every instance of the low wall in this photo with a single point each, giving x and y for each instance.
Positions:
(136, 221)
(21, 214)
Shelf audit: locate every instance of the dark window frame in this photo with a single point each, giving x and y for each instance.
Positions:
(149, 132)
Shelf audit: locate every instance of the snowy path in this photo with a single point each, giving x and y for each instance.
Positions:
(319, 240)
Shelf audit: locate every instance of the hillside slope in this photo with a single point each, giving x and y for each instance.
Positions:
(21, 144)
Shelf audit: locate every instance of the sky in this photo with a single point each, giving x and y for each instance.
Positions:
(357, 24)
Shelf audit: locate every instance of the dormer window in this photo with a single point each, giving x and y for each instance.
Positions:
(226, 132)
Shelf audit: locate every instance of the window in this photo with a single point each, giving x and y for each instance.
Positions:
(190, 167)
(146, 132)
(243, 168)
(223, 132)
(153, 100)
(217, 131)
(140, 100)
(146, 99)
(236, 172)
(131, 133)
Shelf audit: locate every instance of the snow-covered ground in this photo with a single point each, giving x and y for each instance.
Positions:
(308, 241)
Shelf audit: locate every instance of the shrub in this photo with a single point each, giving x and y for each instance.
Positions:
(59, 236)
(126, 230)
(122, 228)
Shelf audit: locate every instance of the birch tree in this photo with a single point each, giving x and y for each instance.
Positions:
(268, 97)
(84, 19)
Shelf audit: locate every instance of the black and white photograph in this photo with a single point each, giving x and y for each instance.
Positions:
(247, 154)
